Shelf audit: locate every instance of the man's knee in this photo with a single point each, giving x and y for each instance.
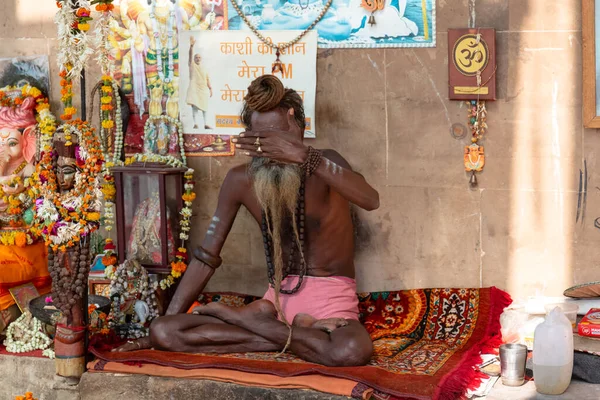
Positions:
(160, 337)
(354, 351)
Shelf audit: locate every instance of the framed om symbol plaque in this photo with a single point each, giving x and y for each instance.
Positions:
(472, 64)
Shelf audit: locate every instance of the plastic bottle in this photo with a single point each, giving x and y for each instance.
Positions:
(553, 353)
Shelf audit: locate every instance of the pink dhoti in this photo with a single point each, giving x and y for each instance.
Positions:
(320, 297)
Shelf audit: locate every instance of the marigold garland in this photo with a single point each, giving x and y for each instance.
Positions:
(17, 238)
(63, 219)
(179, 266)
(27, 396)
(73, 41)
(66, 93)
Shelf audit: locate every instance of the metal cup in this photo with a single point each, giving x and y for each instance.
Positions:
(513, 358)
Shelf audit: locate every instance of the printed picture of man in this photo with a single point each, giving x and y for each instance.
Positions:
(200, 88)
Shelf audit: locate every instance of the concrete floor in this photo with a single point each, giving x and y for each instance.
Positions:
(21, 374)
(577, 391)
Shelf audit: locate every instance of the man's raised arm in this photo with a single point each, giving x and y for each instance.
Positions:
(206, 258)
(338, 174)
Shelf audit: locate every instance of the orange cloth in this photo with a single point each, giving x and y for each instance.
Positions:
(321, 383)
(196, 304)
(21, 265)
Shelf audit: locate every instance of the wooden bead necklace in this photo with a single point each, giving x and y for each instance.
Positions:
(307, 169)
(268, 243)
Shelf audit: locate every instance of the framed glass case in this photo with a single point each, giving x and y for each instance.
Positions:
(148, 201)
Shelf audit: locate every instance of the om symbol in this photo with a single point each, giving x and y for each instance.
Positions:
(470, 55)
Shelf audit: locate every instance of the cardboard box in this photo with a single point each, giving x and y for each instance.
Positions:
(590, 324)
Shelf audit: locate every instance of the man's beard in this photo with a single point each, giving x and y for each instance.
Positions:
(277, 188)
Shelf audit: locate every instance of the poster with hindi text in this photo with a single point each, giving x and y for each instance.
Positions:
(222, 64)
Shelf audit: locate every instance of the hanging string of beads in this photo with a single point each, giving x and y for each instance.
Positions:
(278, 64)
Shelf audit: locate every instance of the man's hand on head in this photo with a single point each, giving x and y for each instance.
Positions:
(278, 145)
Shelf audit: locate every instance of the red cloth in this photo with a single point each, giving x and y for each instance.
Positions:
(35, 353)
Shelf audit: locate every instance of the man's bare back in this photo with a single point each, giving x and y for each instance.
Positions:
(327, 217)
(328, 251)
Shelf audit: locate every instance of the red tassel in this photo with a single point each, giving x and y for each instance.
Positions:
(465, 376)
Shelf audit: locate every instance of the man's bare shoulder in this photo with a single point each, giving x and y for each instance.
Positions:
(238, 176)
(336, 157)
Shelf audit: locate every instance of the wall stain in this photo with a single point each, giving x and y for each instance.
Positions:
(324, 53)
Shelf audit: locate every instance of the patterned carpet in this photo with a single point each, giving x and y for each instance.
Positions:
(427, 343)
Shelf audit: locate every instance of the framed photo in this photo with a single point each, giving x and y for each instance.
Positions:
(590, 31)
(99, 287)
(23, 295)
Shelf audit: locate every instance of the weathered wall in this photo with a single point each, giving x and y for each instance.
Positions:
(387, 112)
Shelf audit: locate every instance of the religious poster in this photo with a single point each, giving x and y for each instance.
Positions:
(343, 23)
(23, 295)
(223, 64)
(146, 53)
(18, 71)
(472, 64)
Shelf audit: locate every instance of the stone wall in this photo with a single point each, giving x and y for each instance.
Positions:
(387, 112)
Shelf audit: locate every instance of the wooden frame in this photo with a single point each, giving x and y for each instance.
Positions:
(591, 118)
(158, 172)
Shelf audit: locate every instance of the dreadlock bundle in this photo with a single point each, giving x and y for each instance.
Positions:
(267, 93)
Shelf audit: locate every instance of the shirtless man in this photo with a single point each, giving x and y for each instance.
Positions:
(312, 218)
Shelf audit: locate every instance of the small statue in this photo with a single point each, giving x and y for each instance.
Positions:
(474, 161)
(142, 310)
(474, 158)
(17, 150)
(66, 163)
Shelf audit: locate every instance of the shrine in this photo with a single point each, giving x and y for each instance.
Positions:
(316, 199)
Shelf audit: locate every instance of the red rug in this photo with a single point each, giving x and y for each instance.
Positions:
(35, 353)
(427, 344)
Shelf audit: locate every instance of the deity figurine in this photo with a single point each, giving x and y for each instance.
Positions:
(23, 259)
(474, 161)
(17, 150)
(66, 163)
(474, 158)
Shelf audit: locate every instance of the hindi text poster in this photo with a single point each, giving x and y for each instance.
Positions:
(222, 64)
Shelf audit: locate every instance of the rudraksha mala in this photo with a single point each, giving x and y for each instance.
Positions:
(310, 165)
(69, 271)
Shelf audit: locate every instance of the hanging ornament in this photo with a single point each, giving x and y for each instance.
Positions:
(372, 6)
(278, 65)
(474, 156)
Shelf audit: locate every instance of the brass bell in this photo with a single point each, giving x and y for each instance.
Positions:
(473, 180)
(372, 20)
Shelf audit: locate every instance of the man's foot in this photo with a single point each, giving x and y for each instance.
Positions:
(327, 325)
(195, 126)
(207, 127)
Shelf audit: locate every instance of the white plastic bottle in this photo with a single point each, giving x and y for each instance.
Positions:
(553, 353)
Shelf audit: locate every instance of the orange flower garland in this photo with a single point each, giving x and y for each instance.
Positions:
(179, 265)
(28, 396)
(66, 93)
(58, 224)
(104, 5)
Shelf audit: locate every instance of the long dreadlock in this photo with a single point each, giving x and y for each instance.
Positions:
(267, 93)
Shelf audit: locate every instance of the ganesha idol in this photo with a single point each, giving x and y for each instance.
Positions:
(21, 260)
(17, 149)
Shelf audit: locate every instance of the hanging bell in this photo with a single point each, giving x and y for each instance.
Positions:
(372, 20)
(473, 180)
